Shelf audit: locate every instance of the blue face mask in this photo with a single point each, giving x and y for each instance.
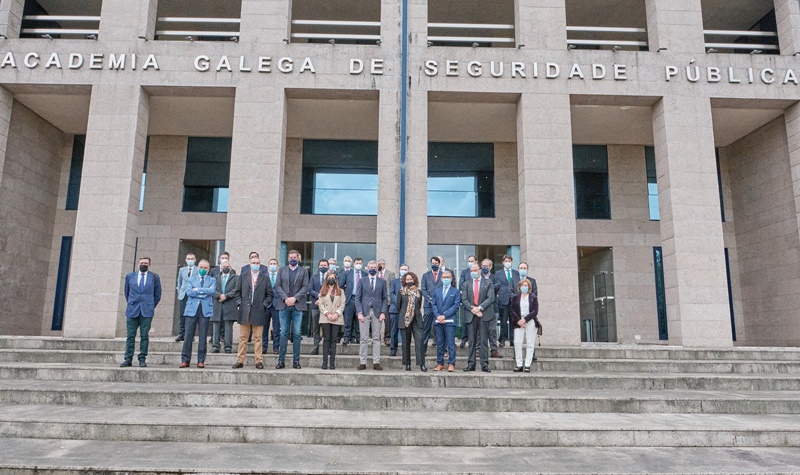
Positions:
(474, 275)
(523, 273)
(190, 262)
(434, 267)
(524, 289)
(292, 262)
(323, 270)
(403, 272)
(333, 267)
(373, 271)
(255, 267)
(484, 270)
(446, 282)
(273, 268)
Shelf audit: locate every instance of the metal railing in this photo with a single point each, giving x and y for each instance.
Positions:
(162, 33)
(346, 25)
(478, 39)
(614, 31)
(47, 32)
(752, 47)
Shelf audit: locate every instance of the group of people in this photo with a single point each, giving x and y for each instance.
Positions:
(385, 308)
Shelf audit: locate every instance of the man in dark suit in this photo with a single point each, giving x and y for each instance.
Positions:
(486, 273)
(142, 292)
(431, 280)
(349, 281)
(394, 290)
(465, 277)
(226, 305)
(216, 272)
(388, 276)
(255, 298)
(505, 287)
(273, 316)
(479, 315)
(445, 306)
(291, 289)
(314, 286)
(372, 304)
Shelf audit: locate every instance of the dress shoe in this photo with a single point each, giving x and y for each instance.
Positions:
(377, 367)
(296, 366)
(324, 365)
(315, 351)
(502, 344)
(423, 368)
(362, 367)
(228, 351)
(463, 344)
(534, 357)
(259, 365)
(386, 341)
(469, 368)
(439, 367)
(238, 365)
(333, 365)
(393, 353)
(201, 365)
(408, 367)
(486, 369)
(451, 368)
(125, 364)
(180, 338)
(518, 369)
(215, 350)
(274, 352)
(280, 365)
(142, 364)
(184, 364)
(527, 369)
(495, 354)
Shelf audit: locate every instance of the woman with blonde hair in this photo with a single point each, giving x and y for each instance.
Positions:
(331, 322)
(409, 320)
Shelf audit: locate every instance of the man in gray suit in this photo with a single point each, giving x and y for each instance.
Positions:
(291, 289)
(479, 316)
(184, 273)
(372, 305)
(226, 305)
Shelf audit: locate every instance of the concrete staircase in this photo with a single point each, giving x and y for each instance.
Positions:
(65, 407)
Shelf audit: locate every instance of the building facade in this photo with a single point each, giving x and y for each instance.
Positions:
(642, 156)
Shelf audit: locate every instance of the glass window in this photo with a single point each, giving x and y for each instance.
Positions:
(340, 177)
(205, 182)
(661, 296)
(461, 180)
(590, 165)
(652, 183)
(75, 172)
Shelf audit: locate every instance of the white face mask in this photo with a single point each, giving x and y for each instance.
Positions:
(346, 264)
(507, 265)
(358, 266)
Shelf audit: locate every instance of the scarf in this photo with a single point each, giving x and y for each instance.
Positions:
(413, 296)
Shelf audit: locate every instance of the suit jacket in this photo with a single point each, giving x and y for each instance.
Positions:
(485, 297)
(394, 290)
(314, 286)
(202, 296)
(428, 284)
(336, 306)
(464, 276)
(533, 310)
(347, 283)
(229, 309)
(274, 295)
(284, 288)
(368, 299)
(142, 301)
(503, 288)
(255, 302)
(446, 305)
(183, 275)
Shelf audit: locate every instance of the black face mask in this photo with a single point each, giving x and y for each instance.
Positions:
(143, 268)
(410, 284)
(331, 281)
(226, 270)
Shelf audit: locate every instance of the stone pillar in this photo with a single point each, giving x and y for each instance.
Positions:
(691, 227)
(541, 24)
(792, 117)
(388, 232)
(6, 103)
(787, 14)
(676, 25)
(258, 157)
(547, 212)
(11, 17)
(265, 21)
(107, 220)
(126, 20)
(416, 238)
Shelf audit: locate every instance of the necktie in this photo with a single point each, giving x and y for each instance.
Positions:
(372, 281)
(141, 281)
(224, 283)
(202, 281)
(272, 279)
(381, 275)
(358, 277)
(476, 290)
(435, 274)
(190, 272)
(508, 275)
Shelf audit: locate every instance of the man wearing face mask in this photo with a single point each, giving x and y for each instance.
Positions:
(256, 297)
(199, 310)
(486, 273)
(465, 276)
(431, 281)
(395, 286)
(215, 272)
(315, 284)
(273, 316)
(388, 276)
(445, 307)
(142, 294)
(349, 282)
(291, 291)
(477, 297)
(372, 304)
(347, 262)
(332, 266)
(505, 287)
(226, 305)
(523, 274)
(184, 273)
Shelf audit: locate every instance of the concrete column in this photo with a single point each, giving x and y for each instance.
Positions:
(547, 211)
(787, 14)
(417, 23)
(691, 228)
(265, 21)
(541, 24)
(676, 25)
(11, 17)
(107, 220)
(417, 183)
(792, 117)
(6, 103)
(258, 158)
(125, 20)
(388, 232)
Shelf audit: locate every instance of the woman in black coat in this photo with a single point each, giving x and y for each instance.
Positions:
(524, 310)
(409, 319)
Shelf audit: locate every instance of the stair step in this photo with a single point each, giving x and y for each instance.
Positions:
(81, 393)
(71, 457)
